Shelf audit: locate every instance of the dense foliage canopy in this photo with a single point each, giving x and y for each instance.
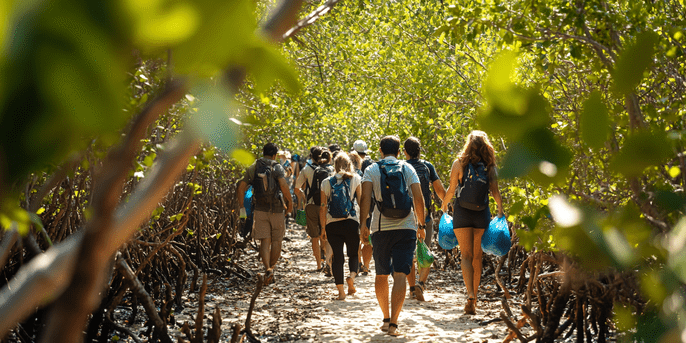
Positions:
(584, 102)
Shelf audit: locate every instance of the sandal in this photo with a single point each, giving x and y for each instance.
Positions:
(386, 324)
(364, 270)
(470, 307)
(419, 291)
(412, 288)
(393, 330)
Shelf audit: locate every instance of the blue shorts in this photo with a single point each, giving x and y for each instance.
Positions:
(394, 251)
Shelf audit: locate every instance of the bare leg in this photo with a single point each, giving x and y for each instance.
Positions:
(341, 292)
(397, 298)
(265, 254)
(412, 275)
(328, 251)
(465, 239)
(424, 273)
(316, 250)
(366, 255)
(351, 283)
(274, 254)
(381, 290)
(478, 260)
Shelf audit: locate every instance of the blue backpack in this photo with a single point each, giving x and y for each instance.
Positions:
(340, 202)
(396, 201)
(472, 193)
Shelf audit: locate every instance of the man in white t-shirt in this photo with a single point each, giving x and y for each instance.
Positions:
(394, 239)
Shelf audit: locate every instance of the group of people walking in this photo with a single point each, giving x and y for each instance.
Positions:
(373, 208)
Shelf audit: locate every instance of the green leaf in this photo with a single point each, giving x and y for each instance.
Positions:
(266, 65)
(213, 120)
(641, 150)
(243, 157)
(539, 155)
(595, 122)
(633, 62)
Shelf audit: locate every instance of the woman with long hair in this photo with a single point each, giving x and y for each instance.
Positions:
(469, 225)
(343, 229)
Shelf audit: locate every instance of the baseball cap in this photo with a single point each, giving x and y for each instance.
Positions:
(360, 146)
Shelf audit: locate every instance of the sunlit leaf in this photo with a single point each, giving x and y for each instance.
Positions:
(641, 150)
(539, 155)
(634, 61)
(595, 123)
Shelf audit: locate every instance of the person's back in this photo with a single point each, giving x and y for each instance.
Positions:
(469, 224)
(269, 188)
(307, 189)
(394, 239)
(427, 178)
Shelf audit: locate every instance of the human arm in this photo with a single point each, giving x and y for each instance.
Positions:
(287, 194)
(323, 208)
(242, 187)
(495, 192)
(438, 187)
(299, 184)
(454, 179)
(365, 203)
(418, 200)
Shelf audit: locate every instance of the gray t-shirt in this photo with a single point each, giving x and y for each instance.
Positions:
(278, 173)
(373, 174)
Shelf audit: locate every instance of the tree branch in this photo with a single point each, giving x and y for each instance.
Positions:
(310, 18)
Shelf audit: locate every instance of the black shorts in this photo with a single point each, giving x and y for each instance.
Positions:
(463, 217)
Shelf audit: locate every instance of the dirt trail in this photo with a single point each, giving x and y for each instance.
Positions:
(299, 306)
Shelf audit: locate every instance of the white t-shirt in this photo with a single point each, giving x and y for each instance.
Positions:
(354, 183)
(373, 174)
(306, 175)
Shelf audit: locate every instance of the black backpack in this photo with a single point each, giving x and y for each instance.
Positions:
(424, 180)
(321, 172)
(396, 201)
(472, 192)
(267, 192)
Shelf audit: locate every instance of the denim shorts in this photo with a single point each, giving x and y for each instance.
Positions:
(394, 251)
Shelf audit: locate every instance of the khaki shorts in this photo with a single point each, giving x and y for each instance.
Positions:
(269, 225)
(312, 213)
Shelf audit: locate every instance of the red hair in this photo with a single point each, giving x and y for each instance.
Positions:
(477, 148)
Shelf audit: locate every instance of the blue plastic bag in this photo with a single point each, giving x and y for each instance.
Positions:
(496, 239)
(446, 234)
(247, 201)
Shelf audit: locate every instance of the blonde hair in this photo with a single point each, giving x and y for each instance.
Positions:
(477, 148)
(343, 165)
(355, 159)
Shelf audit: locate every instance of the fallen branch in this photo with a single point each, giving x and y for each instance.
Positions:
(139, 291)
(514, 329)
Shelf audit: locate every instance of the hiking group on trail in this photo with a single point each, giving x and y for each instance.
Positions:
(379, 209)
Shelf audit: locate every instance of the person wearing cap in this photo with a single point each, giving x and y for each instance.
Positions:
(361, 147)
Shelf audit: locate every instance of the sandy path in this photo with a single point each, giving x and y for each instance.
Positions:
(299, 306)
